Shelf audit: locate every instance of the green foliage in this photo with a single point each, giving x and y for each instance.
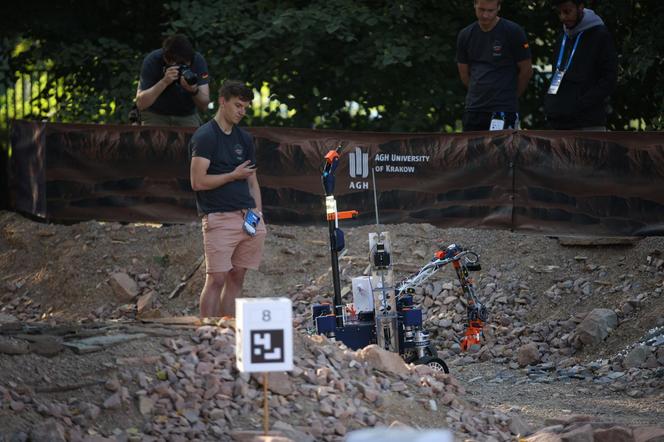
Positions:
(639, 34)
(5, 69)
(317, 56)
(342, 64)
(90, 53)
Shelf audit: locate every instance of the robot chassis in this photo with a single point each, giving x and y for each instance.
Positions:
(389, 317)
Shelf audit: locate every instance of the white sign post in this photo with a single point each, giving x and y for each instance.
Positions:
(264, 339)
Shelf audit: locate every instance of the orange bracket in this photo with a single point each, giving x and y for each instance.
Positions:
(331, 156)
(348, 214)
(472, 335)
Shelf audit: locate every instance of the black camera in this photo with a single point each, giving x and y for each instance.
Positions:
(381, 257)
(184, 70)
(134, 116)
(189, 76)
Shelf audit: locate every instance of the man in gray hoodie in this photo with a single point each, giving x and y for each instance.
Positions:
(584, 70)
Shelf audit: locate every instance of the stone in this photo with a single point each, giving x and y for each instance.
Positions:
(528, 354)
(278, 382)
(11, 346)
(637, 356)
(450, 299)
(583, 433)
(16, 406)
(9, 322)
(596, 326)
(191, 415)
(204, 368)
(92, 411)
(613, 434)
(627, 308)
(615, 374)
(370, 394)
(447, 398)
(45, 345)
(660, 355)
(648, 434)
(445, 323)
(124, 286)
(257, 436)
(382, 360)
(518, 426)
(567, 420)
(145, 301)
(398, 386)
(292, 433)
(112, 384)
(97, 343)
(48, 431)
(113, 402)
(543, 436)
(145, 405)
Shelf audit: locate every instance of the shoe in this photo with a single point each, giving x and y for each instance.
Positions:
(226, 321)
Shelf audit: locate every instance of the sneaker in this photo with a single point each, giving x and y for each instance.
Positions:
(227, 321)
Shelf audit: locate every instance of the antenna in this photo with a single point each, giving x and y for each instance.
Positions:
(375, 194)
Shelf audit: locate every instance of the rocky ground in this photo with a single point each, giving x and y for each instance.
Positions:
(99, 340)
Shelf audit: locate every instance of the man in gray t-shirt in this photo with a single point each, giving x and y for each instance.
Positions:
(494, 62)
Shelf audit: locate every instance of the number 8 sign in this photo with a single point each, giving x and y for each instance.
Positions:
(264, 334)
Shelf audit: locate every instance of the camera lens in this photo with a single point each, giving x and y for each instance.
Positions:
(189, 76)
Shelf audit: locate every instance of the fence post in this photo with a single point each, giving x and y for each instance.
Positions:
(4, 175)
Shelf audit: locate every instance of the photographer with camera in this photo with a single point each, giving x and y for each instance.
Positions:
(173, 85)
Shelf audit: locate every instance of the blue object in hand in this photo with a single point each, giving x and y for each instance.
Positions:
(251, 220)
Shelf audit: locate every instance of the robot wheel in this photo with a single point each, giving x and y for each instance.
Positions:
(436, 364)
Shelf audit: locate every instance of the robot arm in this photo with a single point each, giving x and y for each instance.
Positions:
(463, 262)
(441, 258)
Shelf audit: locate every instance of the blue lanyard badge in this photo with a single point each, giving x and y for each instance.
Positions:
(560, 73)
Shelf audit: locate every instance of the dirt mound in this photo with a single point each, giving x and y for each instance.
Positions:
(105, 277)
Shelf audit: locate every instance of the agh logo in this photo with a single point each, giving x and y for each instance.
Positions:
(358, 168)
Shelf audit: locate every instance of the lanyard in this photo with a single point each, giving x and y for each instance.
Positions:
(562, 51)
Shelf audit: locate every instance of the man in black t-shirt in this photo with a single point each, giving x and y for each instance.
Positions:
(173, 85)
(494, 62)
(223, 175)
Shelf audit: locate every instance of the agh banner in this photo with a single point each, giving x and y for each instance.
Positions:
(554, 182)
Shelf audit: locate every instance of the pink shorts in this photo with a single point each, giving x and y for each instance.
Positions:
(227, 245)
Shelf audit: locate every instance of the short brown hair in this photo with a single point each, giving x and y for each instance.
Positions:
(235, 88)
(177, 48)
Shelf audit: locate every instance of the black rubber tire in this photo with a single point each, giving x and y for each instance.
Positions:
(430, 350)
(483, 314)
(410, 357)
(435, 363)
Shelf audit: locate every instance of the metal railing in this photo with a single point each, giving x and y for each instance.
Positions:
(34, 96)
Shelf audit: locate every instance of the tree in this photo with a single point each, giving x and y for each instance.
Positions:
(361, 65)
(90, 53)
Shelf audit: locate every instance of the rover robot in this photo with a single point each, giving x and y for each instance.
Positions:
(383, 312)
